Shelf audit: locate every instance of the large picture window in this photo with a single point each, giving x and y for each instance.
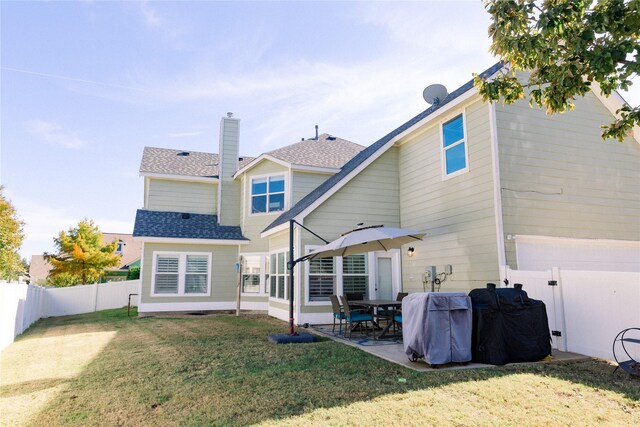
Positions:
(267, 194)
(278, 277)
(181, 273)
(454, 149)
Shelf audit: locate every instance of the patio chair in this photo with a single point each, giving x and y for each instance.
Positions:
(383, 312)
(355, 318)
(337, 312)
(354, 296)
(397, 321)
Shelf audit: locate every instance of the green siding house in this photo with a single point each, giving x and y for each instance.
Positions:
(493, 187)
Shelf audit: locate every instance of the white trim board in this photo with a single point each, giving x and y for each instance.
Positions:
(195, 306)
(497, 192)
(293, 166)
(168, 177)
(219, 242)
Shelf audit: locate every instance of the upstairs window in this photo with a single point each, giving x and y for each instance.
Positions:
(267, 194)
(454, 147)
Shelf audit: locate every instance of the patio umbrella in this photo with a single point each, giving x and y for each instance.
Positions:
(367, 239)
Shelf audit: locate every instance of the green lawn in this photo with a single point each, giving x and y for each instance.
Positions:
(106, 369)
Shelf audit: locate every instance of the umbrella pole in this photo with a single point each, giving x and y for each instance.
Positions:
(292, 264)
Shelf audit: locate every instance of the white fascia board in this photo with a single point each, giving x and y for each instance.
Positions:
(317, 169)
(274, 230)
(613, 102)
(150, 307)
(179, 177)
(260, 159)
(186, 241)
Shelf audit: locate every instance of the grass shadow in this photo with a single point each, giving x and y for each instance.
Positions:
(222, 371)
(27, 387)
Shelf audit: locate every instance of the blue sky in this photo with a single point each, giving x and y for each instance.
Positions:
(86, 85)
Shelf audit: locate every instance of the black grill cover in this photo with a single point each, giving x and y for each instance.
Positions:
(508, 326)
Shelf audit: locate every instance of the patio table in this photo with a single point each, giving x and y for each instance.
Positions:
(377, 304)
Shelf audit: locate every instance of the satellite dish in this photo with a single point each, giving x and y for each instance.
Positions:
(434, 94)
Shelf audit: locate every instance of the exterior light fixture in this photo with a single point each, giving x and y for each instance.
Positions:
(410, 252)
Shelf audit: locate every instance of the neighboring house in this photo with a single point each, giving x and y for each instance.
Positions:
(38, 270)
(491, 185)
(129, 249)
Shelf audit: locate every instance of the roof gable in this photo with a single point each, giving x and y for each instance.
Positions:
(377, 147)
(326, 152)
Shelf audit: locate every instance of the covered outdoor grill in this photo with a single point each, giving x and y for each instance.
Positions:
(436, 327)
(508, 326)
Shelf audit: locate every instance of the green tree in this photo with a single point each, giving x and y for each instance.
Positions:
(11, 237)
(81, 256)
(133, 273)
(567, 46)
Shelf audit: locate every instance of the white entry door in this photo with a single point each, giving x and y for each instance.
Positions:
(385, 286)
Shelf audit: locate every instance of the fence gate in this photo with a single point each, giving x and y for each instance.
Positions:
(543, 285)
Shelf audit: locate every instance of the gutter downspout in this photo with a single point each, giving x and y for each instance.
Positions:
(497, 193)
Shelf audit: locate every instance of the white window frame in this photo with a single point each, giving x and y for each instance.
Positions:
(337, 263)
(277, 274)
(284, 193)
(264, 285)
(367, 257)
(464, 140)
(182, 271)
(339, 289)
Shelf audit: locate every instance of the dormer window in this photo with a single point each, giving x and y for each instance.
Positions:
(267, 194)
(120, 247)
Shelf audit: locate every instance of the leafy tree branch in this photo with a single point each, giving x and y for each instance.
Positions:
(566, 46)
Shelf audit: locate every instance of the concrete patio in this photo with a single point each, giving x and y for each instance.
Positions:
(393, 351)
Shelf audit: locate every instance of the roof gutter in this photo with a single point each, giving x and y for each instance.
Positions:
(148, 239)
(208, 179)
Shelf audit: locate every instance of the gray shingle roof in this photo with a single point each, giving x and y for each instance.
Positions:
(369, 151)
(326, 152)
(172, 162)
(183, 226)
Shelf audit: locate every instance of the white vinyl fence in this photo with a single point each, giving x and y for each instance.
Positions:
(21, 304)
(586, 309)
